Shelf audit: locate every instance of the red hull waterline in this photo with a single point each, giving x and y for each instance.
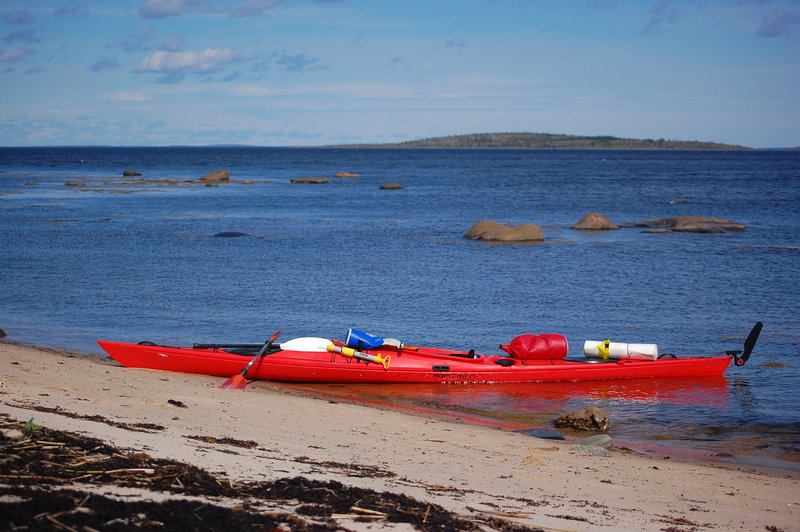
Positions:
(425, 365)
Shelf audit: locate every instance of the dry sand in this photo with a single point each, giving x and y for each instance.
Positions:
(464, 468)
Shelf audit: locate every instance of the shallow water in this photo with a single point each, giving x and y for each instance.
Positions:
(131, 262)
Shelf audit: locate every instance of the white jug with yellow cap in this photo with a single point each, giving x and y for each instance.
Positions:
(608, 350)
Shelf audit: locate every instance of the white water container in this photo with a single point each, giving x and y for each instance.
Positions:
(606, 349)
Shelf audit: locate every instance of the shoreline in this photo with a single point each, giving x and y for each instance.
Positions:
(657, 448)
(465, 468)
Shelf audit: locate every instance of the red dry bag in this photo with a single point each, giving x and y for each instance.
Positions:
(537, 347)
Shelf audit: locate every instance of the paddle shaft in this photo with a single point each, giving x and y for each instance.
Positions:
(238, 381)
(253, 360)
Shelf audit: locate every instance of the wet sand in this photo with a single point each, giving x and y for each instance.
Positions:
(470, 470)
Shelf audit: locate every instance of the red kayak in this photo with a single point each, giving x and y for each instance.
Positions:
(531, 359)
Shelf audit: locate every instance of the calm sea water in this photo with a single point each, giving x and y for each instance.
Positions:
(127, 263)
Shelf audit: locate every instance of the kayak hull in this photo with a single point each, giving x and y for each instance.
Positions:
(424, 365)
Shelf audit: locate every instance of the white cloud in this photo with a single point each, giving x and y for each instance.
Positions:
(27, 36)
(173, 8)
(254, 7)
(9, 55)
(289, 62)
(105, 63)
(19, 16)
(138, 39)
(208, 60)
(250, 90)
(777, 23)
(71, 12)
(126, 96)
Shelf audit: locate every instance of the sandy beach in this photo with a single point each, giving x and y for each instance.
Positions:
(472, 471)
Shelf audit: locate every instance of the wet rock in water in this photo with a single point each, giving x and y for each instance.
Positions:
(216, 177)
(2, 333)
(392, 186)
(545, 434)
(75, 183)
(346, 174)
(693, 224)
(130, 173)
(587, 419)
(490, 231)
(310, 180)
(231, 234)
(31, 184)
(598, 440)
(594, 221)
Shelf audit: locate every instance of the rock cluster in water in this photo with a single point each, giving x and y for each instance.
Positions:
(216, 177)
(690, 224)
(485, 230)
(310, 180)
(587, 419)
(490, 231)
(594, 221)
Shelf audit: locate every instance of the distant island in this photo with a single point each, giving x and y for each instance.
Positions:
(550, 141)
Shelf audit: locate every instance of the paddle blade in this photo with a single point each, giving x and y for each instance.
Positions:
(275, 336)
(750, 343)
(237, 382)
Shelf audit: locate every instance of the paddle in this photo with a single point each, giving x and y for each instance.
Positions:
(750, 343)
(239, 382)
(740, 357)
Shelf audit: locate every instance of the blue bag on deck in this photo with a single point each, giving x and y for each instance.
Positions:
(361, 340)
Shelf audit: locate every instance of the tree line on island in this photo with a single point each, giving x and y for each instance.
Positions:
(550, 141)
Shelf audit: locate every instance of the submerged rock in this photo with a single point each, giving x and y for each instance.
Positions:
(216, 177)
(693, 224)
(594, 221)
(75, 183)
(346, 174)
(587, 419)
(310, 180)
(392, 186)
(545, 434)
(490, 231)
(231, 234)
(130, 173)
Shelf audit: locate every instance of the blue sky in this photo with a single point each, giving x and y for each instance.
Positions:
(315, 72)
